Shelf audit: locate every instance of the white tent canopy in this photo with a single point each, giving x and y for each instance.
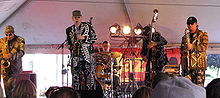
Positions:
(43, 22)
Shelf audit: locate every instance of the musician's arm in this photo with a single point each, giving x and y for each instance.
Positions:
(144, 50)
(19, 52)
(90, 35)
(161, 40)
(203, 45)
(69, 38)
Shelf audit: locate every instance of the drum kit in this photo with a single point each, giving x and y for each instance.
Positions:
(107, 73)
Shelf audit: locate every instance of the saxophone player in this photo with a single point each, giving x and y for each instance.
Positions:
(12, 51)
(80, 37)
(193, 52)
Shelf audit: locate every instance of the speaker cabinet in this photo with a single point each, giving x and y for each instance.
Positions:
(26, 75)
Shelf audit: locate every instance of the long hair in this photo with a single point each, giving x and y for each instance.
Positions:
(143, 92)
(24, 89)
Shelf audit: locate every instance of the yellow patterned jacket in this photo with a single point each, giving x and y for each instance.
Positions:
(196, 57)
(16, 48)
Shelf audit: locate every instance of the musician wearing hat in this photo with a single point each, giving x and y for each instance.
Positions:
(153, 53)
(80, 39)
(193, 52)
(12, 51)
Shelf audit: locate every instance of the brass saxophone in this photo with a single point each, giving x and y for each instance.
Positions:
(76, 43)
(5, 50)
(5, 63)
(187, 40)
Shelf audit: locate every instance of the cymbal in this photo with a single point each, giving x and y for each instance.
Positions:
(115, 54)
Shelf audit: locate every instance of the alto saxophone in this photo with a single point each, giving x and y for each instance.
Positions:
(187, 40)
(5, 50)
(5, 63)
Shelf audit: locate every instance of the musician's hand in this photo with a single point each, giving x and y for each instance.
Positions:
(7, 56)
(151, 44)
(189, 46)
(78, 36)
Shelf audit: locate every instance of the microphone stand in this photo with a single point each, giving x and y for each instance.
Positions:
(132, 82)
(63, 71)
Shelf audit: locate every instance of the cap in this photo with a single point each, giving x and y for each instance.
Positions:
(76, 13)
(9, 29)
(191, 20)
(178, 87)
(146, 29)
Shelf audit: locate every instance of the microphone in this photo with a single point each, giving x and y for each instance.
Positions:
(90, 20)
(155, 15)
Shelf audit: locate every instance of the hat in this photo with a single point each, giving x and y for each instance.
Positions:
(9, 29)
(76, 13)
(146, 29)
(191, 20)
(178, 87)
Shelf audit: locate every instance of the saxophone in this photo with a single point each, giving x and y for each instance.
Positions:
(5, 63)
(5, 50)
(187, 40)
(76, 43)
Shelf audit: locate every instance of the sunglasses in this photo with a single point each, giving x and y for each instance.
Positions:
(77, 17)
(9, 34)
(188, 23)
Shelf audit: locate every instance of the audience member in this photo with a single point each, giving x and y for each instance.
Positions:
(158, 77)
(24, 89)
(65, 92)
(50, 90)
(213, 89)
(178, 87)
(143, 92)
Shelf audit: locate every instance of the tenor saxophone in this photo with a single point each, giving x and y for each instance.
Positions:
(187, 40)
(5, 50)
(5, 63)
(77, 48)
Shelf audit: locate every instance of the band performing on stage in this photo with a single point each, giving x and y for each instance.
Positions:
(95, 63)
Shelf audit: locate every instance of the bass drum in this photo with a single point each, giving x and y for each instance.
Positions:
(100, 74)
(105, 78)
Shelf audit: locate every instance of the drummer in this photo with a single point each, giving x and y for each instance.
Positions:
(105, 58)
(106, 51)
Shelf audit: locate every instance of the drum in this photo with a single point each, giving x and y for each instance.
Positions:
(104, 61)
(100, 74)
(172, 70)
